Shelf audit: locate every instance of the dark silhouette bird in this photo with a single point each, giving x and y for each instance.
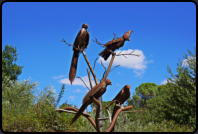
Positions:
(97, 91)
(121, 97)
(115, 44)
(81, 43)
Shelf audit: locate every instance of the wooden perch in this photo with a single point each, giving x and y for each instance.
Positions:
(109, 67)
(97, 103)
(89, 65)
(89, 78)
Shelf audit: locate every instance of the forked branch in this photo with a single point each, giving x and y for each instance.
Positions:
(127, 54)
(83, 82)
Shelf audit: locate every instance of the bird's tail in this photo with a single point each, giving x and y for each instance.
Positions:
(105, 54)
(80, 111)
(114, 111)
(73, 67)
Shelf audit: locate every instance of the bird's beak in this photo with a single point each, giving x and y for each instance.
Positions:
(111, 84)
(128, 39)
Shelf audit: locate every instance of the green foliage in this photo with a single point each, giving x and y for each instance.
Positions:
(181, 96)
(9, 67)
(47, 96)
(144, 92)
(167, 108)
(104, 103)
(139, 122)
(19, 95)
(177, 99)
(60, 95)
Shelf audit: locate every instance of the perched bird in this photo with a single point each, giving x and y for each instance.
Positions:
(97, 91)
(121, 97)
(81, 42)
(115, 44)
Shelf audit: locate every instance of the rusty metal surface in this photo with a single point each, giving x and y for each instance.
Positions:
(84, 114)
(114, 120)
(97, 103)
(115, 117)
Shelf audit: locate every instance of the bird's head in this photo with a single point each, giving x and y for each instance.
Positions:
(108, 82)
(127, 87)
(126, 35)
(84, 25)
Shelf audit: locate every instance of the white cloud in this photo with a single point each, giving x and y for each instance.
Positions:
(139, 73)
(120, 73)
(72, 98)
(164, 82)
(184, 62)
(78, 81)
(58, 77)
(78, 90)
(146, 62)
(134, 62)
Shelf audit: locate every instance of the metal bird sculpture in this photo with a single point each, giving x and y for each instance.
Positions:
(81, 43)
(121, 97)
(115, 44)
(97, 91)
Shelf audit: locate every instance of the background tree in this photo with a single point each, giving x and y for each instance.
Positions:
(178, 100)
(144, 92)
(182, 95)
(9, 67)
(18, 96)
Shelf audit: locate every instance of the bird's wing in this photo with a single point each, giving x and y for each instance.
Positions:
(77, 38)
(87, 41)
(113, 42)
(93, 91)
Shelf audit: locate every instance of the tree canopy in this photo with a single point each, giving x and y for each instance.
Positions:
(9, 67)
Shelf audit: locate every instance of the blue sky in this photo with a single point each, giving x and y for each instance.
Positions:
(163, 31)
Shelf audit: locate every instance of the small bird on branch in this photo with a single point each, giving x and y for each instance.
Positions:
(80, 43)
(114, 44)
(97, 91)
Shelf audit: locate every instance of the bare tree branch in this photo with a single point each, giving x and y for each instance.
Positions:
(114, 36)
(109, 67)
(103, 65)
(89, 65)
(114, 68)
(97, 103)
(83, 82)
(127, 54)
(124, 56)
(72, 45)
(103, 75)
(89, 78)
(98, 42)
(95, 63)
(120, 52)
